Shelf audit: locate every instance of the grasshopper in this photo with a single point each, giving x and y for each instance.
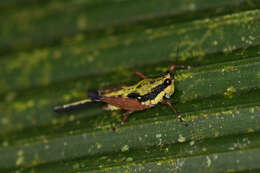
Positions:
(144, 95)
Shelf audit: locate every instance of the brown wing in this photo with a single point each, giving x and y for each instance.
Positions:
(125, 103)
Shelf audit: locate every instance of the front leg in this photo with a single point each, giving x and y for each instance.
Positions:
(171, 106)
(173, 67)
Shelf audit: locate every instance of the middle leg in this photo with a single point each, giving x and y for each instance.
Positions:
(125, 117)
(141, 75)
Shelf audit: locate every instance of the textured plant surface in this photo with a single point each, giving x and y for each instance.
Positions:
(53, 52)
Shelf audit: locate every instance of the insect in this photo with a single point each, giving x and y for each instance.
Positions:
(144, 95)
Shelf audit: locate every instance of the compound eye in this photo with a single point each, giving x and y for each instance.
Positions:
(167, 82)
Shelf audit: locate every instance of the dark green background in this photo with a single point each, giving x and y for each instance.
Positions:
(53, 51)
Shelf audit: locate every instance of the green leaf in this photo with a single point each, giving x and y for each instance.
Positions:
(53, 52)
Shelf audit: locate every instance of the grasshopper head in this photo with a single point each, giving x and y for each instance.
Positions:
(168, 82)
(169, 79)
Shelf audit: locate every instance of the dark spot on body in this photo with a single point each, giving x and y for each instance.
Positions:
(152, 82)
(155, 91)
(139, 86)
(151, 95)
(133, 95)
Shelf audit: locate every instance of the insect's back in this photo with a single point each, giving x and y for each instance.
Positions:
(148, 91)
(143, 87)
